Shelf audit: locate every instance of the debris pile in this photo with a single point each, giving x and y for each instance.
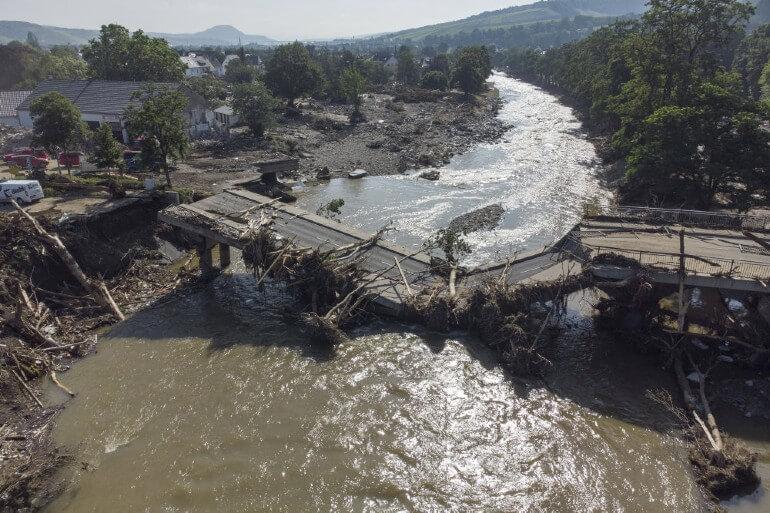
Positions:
(723, 466)
(510, 319)
(51, 302)
(331, 283)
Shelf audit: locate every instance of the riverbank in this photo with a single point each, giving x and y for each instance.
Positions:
(48, 323)
(403, 129)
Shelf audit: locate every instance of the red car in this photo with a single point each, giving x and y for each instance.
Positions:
(70, 159)
(41, 154)
(28, 161)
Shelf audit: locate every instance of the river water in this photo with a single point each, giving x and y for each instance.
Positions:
(543, 173)
(209, 402)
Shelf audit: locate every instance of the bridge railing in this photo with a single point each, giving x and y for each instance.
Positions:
(708, 266)
(690, 218)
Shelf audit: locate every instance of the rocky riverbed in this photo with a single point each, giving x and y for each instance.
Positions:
(399, 134)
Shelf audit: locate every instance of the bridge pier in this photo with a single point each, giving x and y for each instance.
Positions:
(224, 256)
(206, 255)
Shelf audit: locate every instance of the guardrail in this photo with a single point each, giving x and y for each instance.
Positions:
(690, 218)
(710, 266)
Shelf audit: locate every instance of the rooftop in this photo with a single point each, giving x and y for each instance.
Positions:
(95, 96)
(10, 100)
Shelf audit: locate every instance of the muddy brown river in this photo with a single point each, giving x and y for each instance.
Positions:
(209, 402)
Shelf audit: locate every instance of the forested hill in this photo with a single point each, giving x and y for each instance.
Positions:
(538, 12)
(223, 35)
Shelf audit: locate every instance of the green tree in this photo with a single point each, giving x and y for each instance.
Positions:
(108, 153)
(213, 90)
(23, 66)
(434, 80)
(32, 40)
(291, 73)
(374, 71)
(160, 120)
(353, 85)
(751, 57)
(255, 107)
(57, 126)
(764, 83)
(440, 63)
(407, 71)
(119, 55)
(60, 64)
(472, 70)
(710, 146)
(239, 72)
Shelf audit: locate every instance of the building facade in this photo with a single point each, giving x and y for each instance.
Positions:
(103, 101)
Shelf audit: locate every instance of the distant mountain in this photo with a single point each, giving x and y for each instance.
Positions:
(221, 35)
(542, 11)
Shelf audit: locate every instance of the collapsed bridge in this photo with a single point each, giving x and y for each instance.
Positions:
(222, 220)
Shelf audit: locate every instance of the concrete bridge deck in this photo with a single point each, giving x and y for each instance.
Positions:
(726, 258)
(222, 219)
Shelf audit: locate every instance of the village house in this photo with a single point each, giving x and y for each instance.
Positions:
(197, 65)
(102, 101)
(9, 102)
(222, 68)
(225, 117)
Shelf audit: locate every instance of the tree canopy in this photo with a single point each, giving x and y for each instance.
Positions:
(255, 107)
(107, 153)
(353, 85)
(407, 70)
(291, 73)
(434, 80)
(24, 66)
(118, 54)
(240, 72)
(751, 57)
(57, 126)
(472, 69)
(160, 121)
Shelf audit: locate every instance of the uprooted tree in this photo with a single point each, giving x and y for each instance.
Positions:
(331, 283)
(721, 464)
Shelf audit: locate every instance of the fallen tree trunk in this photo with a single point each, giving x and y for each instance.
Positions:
(96, 288)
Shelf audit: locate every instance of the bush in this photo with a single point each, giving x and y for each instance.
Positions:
(435, 80)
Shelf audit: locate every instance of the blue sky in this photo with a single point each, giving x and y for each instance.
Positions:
(280, 19)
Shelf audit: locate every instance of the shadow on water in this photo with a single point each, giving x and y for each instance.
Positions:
(228, 312)
(603, 374)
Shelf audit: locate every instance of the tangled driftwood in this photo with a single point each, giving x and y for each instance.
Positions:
(331, 282)
(501, 314)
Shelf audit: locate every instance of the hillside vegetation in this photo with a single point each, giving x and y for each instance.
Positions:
(687, 123)
(538, 12)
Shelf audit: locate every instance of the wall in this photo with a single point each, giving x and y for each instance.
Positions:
(10, 121)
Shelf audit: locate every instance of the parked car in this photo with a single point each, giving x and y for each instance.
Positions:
(23, 191)
(29, 162)
(41, 154)
(70, 159)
